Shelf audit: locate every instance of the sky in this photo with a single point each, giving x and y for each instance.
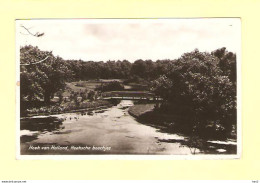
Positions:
(129, 39)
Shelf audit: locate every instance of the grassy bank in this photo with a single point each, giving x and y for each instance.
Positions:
(71, 100)
(57, 108)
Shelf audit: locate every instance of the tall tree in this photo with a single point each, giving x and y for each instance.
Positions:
(196, 87)
(41, 80)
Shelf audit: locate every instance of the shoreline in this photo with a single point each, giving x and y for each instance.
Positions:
(83, 109)
(168, 123)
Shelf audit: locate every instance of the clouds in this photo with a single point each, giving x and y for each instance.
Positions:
(131, 39)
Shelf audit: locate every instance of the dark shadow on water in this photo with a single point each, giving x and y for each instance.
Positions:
(207, 147)
(123, 108)
(212, 147)
(27, 138)
(180, 125)
(63, 132)
(100, 111)
(90, 113)
(41, 124)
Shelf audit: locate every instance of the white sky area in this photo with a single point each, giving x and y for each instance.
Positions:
(130, 39)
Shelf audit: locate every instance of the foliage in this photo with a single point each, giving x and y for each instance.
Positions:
(42, 80)
(140, 69)
(84, 94)
(197, 87)
(111, 86)
(194, 143)
(227, 63)
(66, 107)
(91, 95)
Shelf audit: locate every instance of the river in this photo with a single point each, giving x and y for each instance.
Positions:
(107, 131)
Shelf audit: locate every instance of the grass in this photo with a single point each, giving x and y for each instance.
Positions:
(79, 86)
(68, 107)
(83, 85)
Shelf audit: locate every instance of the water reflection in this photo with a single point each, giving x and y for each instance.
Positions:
(28, 138)
(207, 146)
(113, 127)
(41, 124)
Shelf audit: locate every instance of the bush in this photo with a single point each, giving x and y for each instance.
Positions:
(111, 86)
(91, 95)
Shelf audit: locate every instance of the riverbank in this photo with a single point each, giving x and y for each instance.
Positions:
(146, 114)
(181, 125)
(67, 107)
(172, 123)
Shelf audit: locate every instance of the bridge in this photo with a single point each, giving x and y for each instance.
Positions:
(130, 95)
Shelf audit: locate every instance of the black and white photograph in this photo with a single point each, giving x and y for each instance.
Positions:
(128, 87)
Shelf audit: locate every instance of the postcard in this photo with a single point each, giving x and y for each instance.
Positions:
(128, 88)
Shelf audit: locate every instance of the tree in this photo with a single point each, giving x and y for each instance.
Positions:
(227, 63)
(196, 87)
(139, 68)
(42, 80)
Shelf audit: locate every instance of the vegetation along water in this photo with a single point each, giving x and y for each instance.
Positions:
(182, 106)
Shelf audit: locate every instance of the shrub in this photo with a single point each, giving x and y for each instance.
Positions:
(111, 86)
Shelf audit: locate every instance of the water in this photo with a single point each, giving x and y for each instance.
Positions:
(108, 131)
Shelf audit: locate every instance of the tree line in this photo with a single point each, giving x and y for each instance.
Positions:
(200, 85)
(42, 74)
